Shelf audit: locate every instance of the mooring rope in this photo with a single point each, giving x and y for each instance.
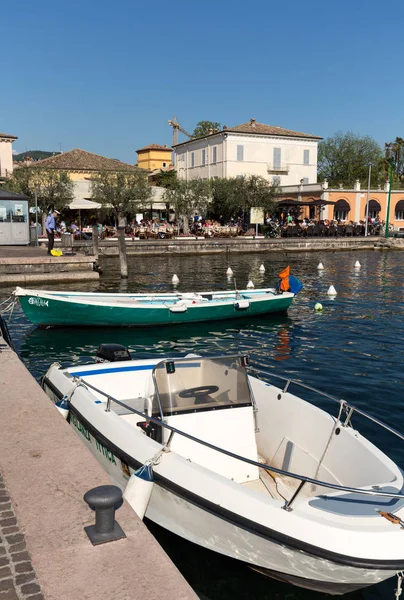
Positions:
(399, 588)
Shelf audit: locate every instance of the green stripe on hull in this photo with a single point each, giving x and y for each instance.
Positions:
(63, 314)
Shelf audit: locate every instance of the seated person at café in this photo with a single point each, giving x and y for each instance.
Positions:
(76, 231)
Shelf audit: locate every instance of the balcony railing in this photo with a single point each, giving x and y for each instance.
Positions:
(278, 168)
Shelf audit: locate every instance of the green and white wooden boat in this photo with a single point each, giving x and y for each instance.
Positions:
(64, 309)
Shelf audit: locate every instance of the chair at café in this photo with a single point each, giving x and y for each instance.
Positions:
(318, 229)
(332, 230)
(349, 230)
(358, 229)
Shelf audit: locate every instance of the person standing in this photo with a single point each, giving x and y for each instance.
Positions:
(50, 225)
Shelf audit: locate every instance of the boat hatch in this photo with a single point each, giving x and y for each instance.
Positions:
(209, 398)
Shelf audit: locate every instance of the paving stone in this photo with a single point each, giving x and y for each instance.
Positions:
(15, 539)
(5, 572)
(6, 584)
(8, 522)
(7, 530)
(18, 547)
(5, 511)
(20, 556)
(36, 597)
(23, 567)
(30, 588)
(3, 561)
(25, 578)
(10, 595)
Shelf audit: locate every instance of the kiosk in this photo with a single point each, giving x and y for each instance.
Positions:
(14, 219)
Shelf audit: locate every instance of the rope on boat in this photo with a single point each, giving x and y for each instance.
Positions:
(155, 460)
(9, 303)
(399, 589)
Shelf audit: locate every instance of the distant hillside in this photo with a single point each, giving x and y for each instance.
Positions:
(34, 155)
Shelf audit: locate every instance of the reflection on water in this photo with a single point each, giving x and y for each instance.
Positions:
(353, 349)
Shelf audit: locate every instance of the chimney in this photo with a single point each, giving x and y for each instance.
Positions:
(224, 126)
(210, 131)
(252, 122)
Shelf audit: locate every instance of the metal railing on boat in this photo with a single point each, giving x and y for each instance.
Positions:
(349, 409)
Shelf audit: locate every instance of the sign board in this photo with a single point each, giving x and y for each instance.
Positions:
(257, 215)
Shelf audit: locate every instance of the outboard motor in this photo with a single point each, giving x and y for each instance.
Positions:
(112, 353)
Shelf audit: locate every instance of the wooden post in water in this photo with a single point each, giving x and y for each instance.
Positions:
(95, 241)
(123, 262)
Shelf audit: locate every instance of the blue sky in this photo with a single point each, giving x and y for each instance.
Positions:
(106, 77)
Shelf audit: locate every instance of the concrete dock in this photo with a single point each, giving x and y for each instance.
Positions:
(44, 472)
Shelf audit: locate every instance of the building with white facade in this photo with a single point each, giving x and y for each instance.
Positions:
(280, 155)
(6, 154)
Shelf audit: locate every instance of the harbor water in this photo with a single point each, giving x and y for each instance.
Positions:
(352, 349)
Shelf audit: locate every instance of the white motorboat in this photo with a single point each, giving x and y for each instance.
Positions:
(243, 467)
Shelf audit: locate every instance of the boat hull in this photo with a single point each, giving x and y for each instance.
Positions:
(193, 519)
(51, 311)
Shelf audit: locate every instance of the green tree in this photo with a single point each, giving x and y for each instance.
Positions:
(122, 193)
(205, 128)
(186, 198)
(345, 157)
(235, 197)
(394, 154)
(53, 189)
(166, 179)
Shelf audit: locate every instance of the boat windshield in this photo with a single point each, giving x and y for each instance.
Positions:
(199, 384)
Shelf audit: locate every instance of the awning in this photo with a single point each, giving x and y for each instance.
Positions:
(83, 204)
(400, 205)
(374, 205)
(320, 202)
(342, 205)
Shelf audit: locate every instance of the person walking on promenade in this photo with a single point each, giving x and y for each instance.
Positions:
(50, 225)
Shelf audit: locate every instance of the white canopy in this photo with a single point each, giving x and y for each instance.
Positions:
(83, 204)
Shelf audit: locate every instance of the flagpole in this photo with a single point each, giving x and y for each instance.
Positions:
(386, 233)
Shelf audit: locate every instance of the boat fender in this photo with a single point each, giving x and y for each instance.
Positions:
(139, 489)
(178, 307)
(63, 406)
(241, 304)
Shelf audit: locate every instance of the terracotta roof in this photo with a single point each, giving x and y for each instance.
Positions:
(154, 147)
(80, 160)
(7, 135)
(261, 129)
(253, 127)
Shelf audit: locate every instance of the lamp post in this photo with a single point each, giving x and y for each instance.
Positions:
(367, 203)
(386, 233)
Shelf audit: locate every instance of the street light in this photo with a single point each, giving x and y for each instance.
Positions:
(367, 203)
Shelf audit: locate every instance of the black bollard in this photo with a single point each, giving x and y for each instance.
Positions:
(104, 500)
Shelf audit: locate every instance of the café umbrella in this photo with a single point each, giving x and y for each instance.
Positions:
(83, 204)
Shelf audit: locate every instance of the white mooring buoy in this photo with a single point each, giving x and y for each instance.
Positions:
(320, 266)
(357, 265)
(331, 291)
(250, 285)
(262, 269)
(175, 279)
(229, 271)
(139, 489)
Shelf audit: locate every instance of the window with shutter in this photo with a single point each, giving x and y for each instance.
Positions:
(203, 157)
(277, 158)
(240, 153)
(306, 157)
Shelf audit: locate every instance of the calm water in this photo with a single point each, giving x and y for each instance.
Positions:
(354, 349)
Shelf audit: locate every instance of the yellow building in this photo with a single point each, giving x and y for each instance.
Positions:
(81, 167)
(154, 157)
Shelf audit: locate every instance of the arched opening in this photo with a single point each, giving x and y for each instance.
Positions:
(399, 212)
(374, 209)
(341, 210)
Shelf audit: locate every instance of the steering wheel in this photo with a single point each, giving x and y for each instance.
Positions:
(195, 392)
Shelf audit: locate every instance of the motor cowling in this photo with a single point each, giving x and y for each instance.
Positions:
(112, 353)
